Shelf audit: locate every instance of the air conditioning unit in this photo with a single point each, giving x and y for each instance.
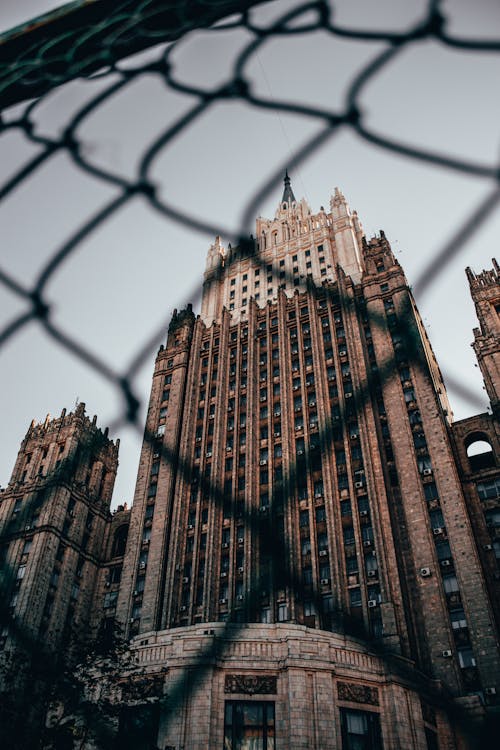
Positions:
(487, 546)
(229, 448)
(367, 543)
(240, 540)
(372, 603)
(446, 654)
(240, 569)
(27, 527)
(312, 403)
(437, 530)
(222, 601)
(208, 454)
(363, 513)
(490, 691)
(427, 472)
(183, 608)
(324, 581)
(225, 545)
(277, 413)
(263, 509)
(445, 563)
(358, 485)
(323, 552)
(134, 593)
(190, 526)
(107, 584)
(300, 452)
(296, 387)
(211, 416)
(372, 574)
(198, 440)
(185, 579)
(425, 572)
(277, 434)
(240, 597)
(132, 620)
(348, 395)
(263, 461)
(223, 574)
(142, 565)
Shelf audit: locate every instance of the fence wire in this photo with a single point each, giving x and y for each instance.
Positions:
(48, 67)
(96, 53)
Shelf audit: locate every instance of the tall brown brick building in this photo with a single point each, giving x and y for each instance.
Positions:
(312, 557)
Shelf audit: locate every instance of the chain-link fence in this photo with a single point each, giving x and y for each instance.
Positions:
(93, 47)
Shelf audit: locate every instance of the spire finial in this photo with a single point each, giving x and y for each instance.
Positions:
(288, 196)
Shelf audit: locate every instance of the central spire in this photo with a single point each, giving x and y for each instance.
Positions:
(288, 196)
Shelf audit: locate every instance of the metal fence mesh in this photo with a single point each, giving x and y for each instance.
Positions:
(95, 53)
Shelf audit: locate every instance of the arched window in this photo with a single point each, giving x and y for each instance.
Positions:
(119, 541)
(479, 451)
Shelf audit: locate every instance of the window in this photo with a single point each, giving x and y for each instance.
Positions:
(307, 578)
(489, 490)
(466, 658)
(282, 612)
(450, 583)
(320, 514)
(479, 452)
(306, 546)
(345, 508)
(348, 534)
(457, 617)
(360, 730)
(355, 601)
(249, 724)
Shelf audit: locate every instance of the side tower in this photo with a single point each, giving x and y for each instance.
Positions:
(53, 516)
(447, 605)
(477, 446)
(485, 291)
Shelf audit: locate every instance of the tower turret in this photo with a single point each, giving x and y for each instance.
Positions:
(485, 292)
(346, 229)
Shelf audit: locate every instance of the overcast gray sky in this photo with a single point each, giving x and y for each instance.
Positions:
(129, 274)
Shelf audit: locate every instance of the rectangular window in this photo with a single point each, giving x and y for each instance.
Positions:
(249, 724)
(360, 730)
(489, 490)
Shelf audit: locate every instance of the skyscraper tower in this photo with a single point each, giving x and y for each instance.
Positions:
(297, 492)
(53, 517)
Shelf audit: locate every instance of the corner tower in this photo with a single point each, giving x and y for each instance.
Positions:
(52, 521)
(485, 291)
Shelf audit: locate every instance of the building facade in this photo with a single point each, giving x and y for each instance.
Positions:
(311, 557)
